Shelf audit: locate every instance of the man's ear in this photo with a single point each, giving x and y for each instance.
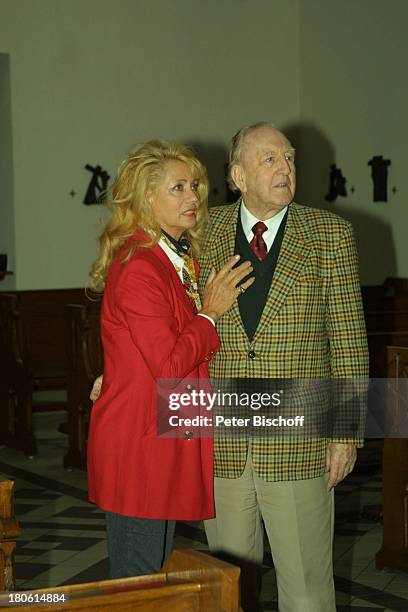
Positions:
(238, 176)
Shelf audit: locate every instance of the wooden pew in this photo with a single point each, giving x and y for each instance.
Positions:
(190, 581)
(386, 315)
(9, 531)
(394, 551)
(33, 357)
(85, 363)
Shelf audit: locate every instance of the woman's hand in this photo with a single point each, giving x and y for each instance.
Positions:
(96, 389)
(221, 289)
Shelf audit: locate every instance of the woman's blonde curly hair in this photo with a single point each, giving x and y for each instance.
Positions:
(141, 171)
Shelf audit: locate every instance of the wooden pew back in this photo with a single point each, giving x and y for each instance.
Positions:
(9, 531)
(33, 356)
(394, 551)
(190, 581)
(85, 363)
(386, 315)
(39, 321)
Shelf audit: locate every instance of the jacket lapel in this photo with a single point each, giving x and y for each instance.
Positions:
(223, 248)
(294, 252)
(174, 278)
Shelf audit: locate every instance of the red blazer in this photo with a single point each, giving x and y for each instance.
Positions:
(149, 331)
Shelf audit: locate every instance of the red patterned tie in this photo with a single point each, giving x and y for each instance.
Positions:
(258, 244)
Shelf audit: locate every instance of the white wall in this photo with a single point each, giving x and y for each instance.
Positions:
(90, 78)
(354, 101)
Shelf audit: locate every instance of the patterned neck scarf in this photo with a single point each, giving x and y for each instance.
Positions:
(182, 247)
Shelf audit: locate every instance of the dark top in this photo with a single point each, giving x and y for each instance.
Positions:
(252, 302)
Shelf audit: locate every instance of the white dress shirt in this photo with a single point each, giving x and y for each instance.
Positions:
(248, 221)
(176, 259)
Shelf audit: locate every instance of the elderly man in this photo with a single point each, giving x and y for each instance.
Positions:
(301, 318)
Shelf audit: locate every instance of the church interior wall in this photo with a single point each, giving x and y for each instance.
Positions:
(88, 80)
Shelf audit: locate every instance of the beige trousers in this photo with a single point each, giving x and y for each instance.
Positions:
(299, 520)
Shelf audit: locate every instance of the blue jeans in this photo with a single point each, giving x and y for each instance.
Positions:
(137, 546)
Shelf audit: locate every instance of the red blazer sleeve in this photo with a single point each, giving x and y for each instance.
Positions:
(171, 348)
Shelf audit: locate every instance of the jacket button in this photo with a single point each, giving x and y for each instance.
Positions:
(190, 387)
(188, 435)
(251, 354)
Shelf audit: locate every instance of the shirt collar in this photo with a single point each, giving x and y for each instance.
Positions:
(248, 220)
(176, 259)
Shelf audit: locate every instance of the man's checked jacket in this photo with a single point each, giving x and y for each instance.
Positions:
(312, 326)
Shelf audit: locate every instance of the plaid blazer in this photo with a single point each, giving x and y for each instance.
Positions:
(312, 326)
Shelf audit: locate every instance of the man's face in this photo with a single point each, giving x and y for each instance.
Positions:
(266, 174)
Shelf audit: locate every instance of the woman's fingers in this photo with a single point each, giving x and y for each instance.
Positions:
(230, 273)
(96, 389)
(240, 272)
(247, 284)
(221, 289)
(227, 267)
(228, 278)
(211, 276)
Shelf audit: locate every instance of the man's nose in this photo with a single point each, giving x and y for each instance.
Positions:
(284, 165)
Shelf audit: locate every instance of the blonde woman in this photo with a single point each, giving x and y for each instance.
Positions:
(153, 327)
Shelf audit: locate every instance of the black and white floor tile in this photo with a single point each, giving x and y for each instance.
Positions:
(63, 539)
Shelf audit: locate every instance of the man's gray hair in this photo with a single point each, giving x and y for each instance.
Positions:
(236, 147)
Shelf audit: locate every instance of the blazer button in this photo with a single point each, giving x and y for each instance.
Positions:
(188, 435)
(190, 387)
(251, 354)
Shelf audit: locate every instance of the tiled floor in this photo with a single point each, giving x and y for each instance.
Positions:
(63, 540)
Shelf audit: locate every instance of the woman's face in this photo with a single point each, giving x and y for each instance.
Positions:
(174, 201)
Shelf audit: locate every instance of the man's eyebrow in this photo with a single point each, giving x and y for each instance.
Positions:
(277, 150)
(270, 152)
